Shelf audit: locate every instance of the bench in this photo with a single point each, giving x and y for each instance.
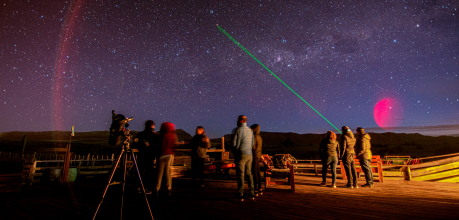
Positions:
(271, 172)
(376, 167)
(221, 167)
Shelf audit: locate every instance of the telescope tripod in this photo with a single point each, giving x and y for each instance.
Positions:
(124, 154)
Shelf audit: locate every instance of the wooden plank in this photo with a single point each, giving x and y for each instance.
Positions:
(438, 175)
(434, 163)
(454, 179)
(430, 170)
(392, 174)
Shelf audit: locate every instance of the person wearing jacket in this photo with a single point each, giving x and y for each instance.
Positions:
(168, 143)
(329, 151)
(256, 151)
(242, 149)
(347, 144)
(146, 143)
(363, 152)
(199, 145)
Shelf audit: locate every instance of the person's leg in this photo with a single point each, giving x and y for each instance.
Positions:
(194, 170)
(353, 171)
(201, 171)
(248, 174)
(240, 176)
(160, 165)
(256, 173)
(168, 171)
(324, 170)
(370, 173)
(347, 167)
(333, 163)
(366, 168)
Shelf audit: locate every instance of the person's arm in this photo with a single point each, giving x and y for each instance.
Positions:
(237, 140)
(337, 148)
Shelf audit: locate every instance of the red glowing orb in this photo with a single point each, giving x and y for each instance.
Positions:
(388, 113)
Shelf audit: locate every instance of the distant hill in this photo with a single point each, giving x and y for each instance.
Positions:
(304, 146)
(82, 142)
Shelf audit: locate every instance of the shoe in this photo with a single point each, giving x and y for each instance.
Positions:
(349, 186)
(368, 185)
(238, 198)
(169, 192)
(251, 197)
(356, 186)
(260, 192)
(255, 194)
(323, 184)
(333, 185)
(148, 192)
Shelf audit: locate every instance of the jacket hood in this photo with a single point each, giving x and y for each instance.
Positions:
(366, 136)
(256, 129)
(349, 134)
(167, 127)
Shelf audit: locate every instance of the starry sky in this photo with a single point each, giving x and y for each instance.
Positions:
(66, 63)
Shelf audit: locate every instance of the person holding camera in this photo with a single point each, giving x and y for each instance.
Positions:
(168, 141)
(199, 145)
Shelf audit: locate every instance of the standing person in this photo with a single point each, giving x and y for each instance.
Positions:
(242, 148)
(363, 152)
(168, 142)
(199, 145)
(329, 151)
(147, 143)
(347, 144)
(256, 150)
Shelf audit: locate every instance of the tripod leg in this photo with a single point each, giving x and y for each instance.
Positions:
(141, 183)
(108, 183)
(124, 182)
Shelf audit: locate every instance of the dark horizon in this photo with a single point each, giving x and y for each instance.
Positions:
(434, 131)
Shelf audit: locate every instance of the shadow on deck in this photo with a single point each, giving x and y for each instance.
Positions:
(390, 200)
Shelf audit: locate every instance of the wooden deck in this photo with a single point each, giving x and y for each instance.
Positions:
(389, 200)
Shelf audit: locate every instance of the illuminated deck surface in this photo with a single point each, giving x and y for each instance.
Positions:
(390, 200)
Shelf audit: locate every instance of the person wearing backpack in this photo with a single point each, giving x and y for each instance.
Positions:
(199, 145)
(329, 151)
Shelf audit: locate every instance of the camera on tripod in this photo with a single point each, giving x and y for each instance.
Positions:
(119, 129)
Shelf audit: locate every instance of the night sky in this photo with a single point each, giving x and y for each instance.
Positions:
(359, 63)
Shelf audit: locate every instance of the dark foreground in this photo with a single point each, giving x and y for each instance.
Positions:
(390, 200)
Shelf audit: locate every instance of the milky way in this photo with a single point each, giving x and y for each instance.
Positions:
(66, 63)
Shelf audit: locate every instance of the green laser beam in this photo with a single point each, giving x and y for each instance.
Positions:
(237, 43)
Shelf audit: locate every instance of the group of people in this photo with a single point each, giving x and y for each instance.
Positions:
(247, 151)
(331, 150)
(159, 146)
(247, 148)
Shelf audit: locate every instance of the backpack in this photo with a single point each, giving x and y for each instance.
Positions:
(282, 161)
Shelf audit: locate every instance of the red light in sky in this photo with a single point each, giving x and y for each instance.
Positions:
(388, 113)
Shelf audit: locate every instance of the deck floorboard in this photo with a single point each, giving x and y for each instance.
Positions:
(389, 200)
